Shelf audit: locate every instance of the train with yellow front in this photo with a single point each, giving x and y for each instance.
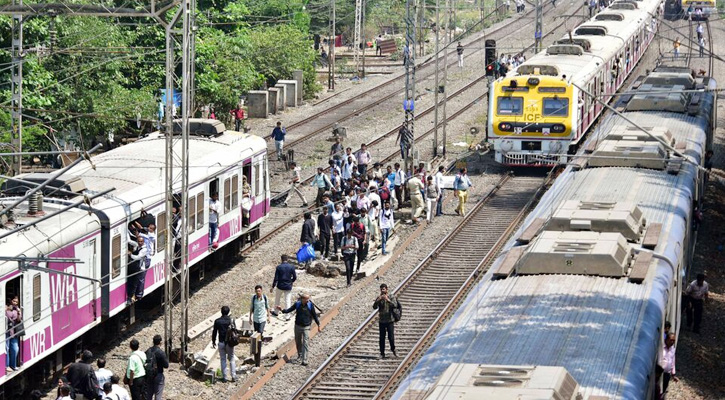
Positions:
(540, 112)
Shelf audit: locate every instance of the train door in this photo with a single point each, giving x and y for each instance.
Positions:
(87, 288)
(247, 193)
(13, 288)
(257, 189)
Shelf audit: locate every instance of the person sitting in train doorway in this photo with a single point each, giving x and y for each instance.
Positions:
(246, 201)
(214, 207)
(135, 273)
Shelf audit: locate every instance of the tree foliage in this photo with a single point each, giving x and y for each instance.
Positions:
(84, 76)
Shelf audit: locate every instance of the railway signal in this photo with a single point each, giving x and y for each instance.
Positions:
(490, 56)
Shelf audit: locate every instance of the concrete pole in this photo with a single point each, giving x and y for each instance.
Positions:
(437, 56)
(16, 82)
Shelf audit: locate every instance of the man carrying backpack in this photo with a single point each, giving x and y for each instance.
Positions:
(259, 310)
(226, 351)
(389, 310)
(305, 314)
(156, 361)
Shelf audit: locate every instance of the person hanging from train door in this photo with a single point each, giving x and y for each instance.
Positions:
(149, 240)
(137, 258)
(214, 208)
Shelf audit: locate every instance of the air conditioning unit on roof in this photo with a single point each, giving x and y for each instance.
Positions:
(623, 217)
(475, 382)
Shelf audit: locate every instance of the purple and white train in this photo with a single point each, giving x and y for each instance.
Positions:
(59, 309)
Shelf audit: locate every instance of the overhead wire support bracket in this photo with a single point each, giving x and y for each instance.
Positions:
(24, 265)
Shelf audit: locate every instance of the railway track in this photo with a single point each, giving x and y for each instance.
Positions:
(431, 292)
(325, 119)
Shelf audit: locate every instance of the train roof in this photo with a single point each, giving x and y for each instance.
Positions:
(582, 64)
(47, 236)
(137, 170)
(603, 330)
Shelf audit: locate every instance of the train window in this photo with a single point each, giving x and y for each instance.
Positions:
(200, 210)
(264, 176)
(161, 229)
(510, 105)
(227, 194)
(260, 177)
(115, 256)
(192, 214)
(235, 191)
(556, 107)
(36, 297)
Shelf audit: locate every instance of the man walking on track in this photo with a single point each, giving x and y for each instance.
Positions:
(284, 276)
(385, 303)
(459, 50)
(238, 114)
(226, 352)
(697, 292)
(461, 186)
(295, 180)
(278, 134)
(306, 313)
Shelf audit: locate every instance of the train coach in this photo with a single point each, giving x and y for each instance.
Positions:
(575, 306)
(538, 114)
(59, 308)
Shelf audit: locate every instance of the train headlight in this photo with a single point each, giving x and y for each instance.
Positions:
(558, 128)
(505, 127)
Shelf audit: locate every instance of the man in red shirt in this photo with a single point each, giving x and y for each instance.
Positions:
(238, 114)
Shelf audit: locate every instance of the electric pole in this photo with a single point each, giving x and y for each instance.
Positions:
(539, 25)
(357, 37)
(450, 34)
(409, 102)
(437, 87)
(16, 83)
(331, 57)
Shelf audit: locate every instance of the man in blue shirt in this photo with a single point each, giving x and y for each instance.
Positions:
(278, 134)
(284, 276)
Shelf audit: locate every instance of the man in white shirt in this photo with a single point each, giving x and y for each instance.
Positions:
(387, 221)
(697, 292)
(119, 390)
(214, 208)
(102, 374)
(399, 181)
(438, 179)
(668, 363)
(295, 180)
(363, 159)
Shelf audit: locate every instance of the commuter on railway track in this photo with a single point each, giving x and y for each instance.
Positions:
(699, 30)
(459, 51)
(399, 180)
(349, 247)
(438, 180)
(432, 194)
(305, 314)
(701, 42)
(336, 151)
(696, 292)
(278, 134)
(82, 378)
(103, 375)
(156, 381)
(359, 232)
(226, 352)
(385, 303)
(338, 226)
(322, 182)
(119, 390)
(461, 186)
(135, 372)
(363, 158)
(259, 310)
(238, 114)
(415, 187)
(668, 363)
(284, 277)
(324, 226)
(295, 180)
(387, 221)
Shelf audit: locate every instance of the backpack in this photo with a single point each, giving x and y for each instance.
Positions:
(234, 335)
(384, 193)
(150, 366)
(397, 312)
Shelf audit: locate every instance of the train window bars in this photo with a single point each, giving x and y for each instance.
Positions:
(235, 191)
(200, 206)
(161, 229)
(192, 214)
(36, 297)
(115, 256)
(227, 195)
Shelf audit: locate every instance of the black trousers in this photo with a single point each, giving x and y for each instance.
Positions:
(138, 389)
(389, 329)
(349, 265)
(325, 244)
(338, 240)
(665, 382)
(399, 196)
(362, 252)
(696, 307)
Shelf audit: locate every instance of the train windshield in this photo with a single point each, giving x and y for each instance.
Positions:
(510, 105)
(556, 107)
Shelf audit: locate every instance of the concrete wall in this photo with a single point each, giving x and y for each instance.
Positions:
(273, 95)
(281, 103)
(298, 76)
(291, 95)
(257, 103)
